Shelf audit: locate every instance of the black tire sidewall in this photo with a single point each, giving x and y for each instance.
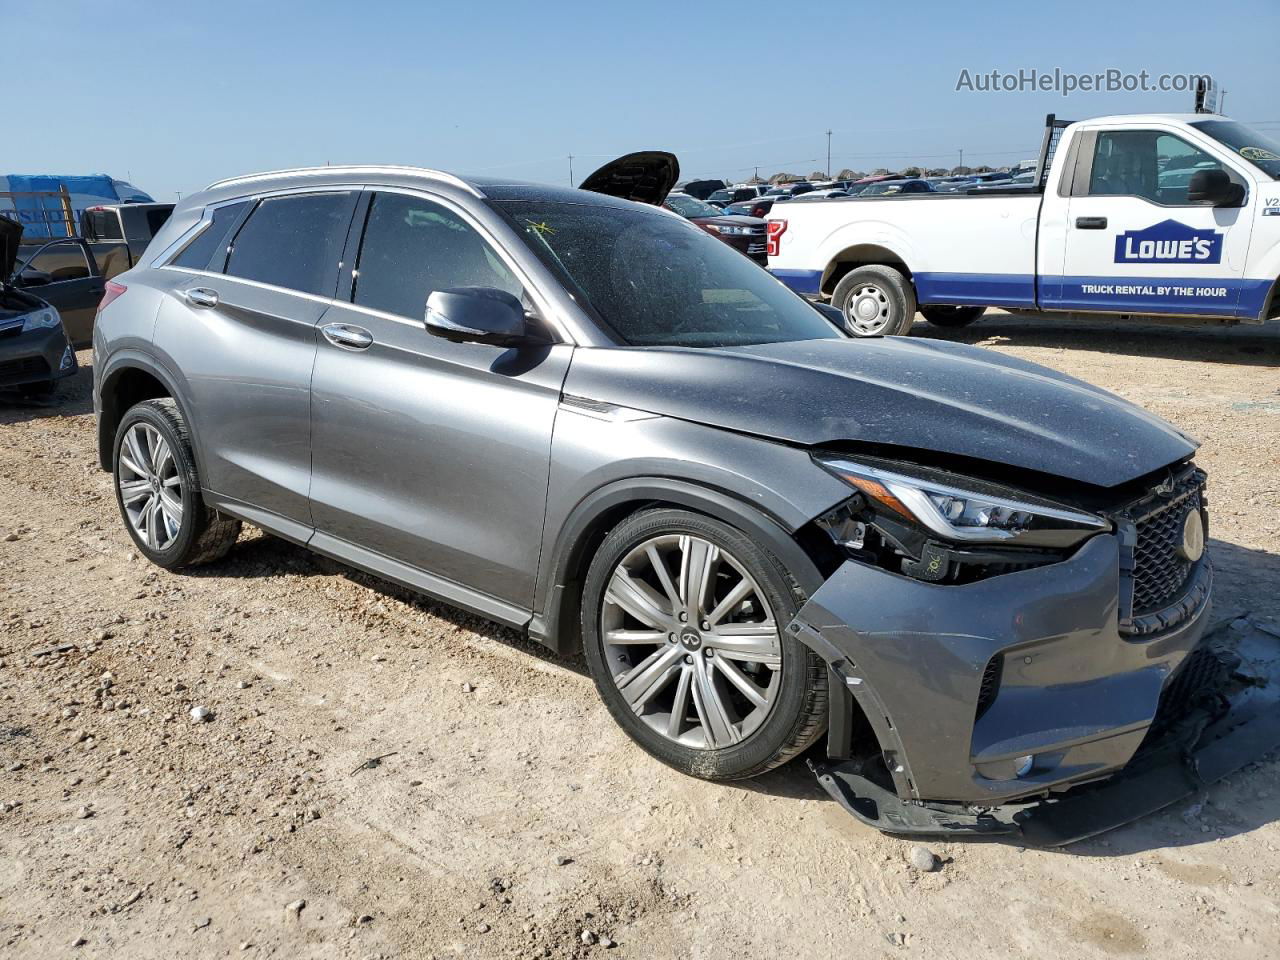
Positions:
(756, 752)
(161, 417)
(896, 287)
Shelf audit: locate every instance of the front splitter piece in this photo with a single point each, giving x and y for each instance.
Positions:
(1163, 775)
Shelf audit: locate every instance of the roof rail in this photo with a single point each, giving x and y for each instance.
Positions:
(351, 168)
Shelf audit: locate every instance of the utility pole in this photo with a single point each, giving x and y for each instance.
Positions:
(757, 176)
(962, 156)
(828, 154)
(571, 169)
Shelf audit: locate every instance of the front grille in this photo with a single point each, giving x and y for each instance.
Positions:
(1159, 570)
(755, 248)
(1162, 581)
(24, 368)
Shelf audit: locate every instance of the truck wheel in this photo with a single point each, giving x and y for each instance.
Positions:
(876, 301)
(158, 490)
(952, 316)
(683, 628)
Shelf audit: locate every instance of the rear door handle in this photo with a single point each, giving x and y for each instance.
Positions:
(347, 336)
(1091, 223)
(202, 297)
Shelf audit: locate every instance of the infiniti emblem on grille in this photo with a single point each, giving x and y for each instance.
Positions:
(1192, 546)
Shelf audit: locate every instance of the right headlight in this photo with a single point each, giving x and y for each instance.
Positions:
(41, 320)
(966, 512)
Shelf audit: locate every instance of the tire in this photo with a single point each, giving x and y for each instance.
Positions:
(876, 301)
(741, 738)
(179, 531)
(952, 316)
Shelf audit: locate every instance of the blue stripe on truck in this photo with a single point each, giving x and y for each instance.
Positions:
(804, 282)
(1177, 295)
(1200, 296)
(977, 289)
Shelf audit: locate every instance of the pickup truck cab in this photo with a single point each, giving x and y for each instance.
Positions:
(70, 273)
(1150, 215)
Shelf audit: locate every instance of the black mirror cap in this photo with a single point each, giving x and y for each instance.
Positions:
(478, 315)
(1215, 186)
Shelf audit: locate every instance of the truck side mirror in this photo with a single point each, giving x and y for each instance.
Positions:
(1215, 187)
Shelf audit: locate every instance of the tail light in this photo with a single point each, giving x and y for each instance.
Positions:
(112, 291)
(776, 229)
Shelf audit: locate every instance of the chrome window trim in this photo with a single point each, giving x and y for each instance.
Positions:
(541, 301)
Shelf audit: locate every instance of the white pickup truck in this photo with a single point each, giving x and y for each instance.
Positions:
(1151, 215)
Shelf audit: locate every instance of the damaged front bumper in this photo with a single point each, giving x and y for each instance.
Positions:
(987, 696)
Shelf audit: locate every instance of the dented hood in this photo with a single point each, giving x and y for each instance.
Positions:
(916, 394)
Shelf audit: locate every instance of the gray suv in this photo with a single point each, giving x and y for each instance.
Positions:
(578, 415)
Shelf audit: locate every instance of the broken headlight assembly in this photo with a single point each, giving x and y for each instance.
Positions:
(934, 526)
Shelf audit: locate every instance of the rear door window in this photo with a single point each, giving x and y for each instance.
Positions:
(412, 246)
(212, 240)
(294, 242)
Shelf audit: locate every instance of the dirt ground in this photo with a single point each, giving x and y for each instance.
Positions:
(508, 814)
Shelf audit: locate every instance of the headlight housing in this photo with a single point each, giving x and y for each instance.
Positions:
(44, 319)
(962, 511)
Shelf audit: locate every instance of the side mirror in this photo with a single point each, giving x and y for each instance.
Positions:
(1216, 188)
(478, 315)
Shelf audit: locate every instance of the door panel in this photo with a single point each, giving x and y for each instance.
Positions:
(436, 454)
(77, 302)
(248, 361)
(1135, 245)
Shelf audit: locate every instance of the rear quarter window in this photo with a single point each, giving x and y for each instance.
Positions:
(212, 240)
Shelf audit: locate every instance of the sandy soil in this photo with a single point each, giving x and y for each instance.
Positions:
(508, 814)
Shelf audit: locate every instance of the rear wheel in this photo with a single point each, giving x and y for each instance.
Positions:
(682, 627)
(876, 301)
(158, 490)
(941, 316)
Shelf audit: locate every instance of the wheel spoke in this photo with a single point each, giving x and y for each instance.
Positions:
(680, 706)
(753, 642)
(716, 725)
(172, 505)
(660, 568)
(734, 597)
(137, 461)
(160, 455)
(638, 599)
(740, 680)
(640, 684)
(697, 568)
(635, 636)
(131, 491)
(150, 523)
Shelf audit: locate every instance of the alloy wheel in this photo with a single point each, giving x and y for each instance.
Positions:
(868, 309)
(691, 642)
(150, 486)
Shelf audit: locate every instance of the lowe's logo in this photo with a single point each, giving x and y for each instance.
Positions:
(1169, 242)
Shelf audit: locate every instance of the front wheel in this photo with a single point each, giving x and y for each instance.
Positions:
(682, 627)
(941, 316)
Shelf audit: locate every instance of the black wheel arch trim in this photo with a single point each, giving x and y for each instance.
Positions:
(555, 618)
(120, 362)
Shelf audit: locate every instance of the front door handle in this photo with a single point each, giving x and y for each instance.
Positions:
(347, 336)
(202, 297)
(1091, 223)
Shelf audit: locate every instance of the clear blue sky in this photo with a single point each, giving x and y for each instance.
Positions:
(175, 94)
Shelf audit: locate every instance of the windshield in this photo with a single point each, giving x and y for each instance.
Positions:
(657, 281)
(1259, 150)
(692, 207)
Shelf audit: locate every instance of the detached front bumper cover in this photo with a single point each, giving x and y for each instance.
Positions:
(1235, 721)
